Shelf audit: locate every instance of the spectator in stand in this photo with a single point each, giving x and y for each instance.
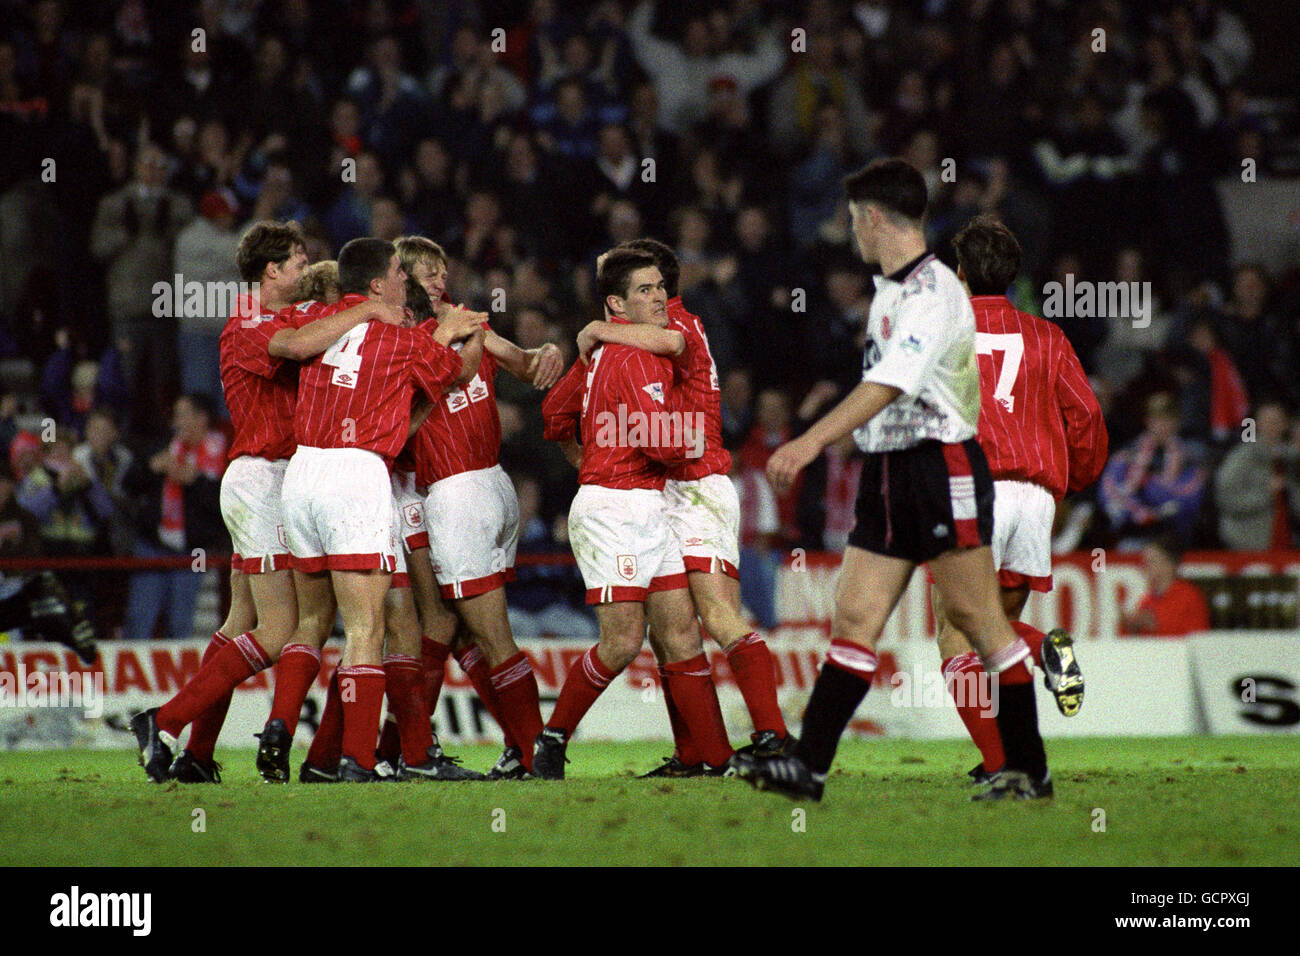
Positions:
(1172, 607)
(814, 190)
(205, 253)
(816, 79)
(106, 461)
(1212, 399)
(682, 73)
(1258, 485)
(19, 532)
(349, 218)
(569, 127)
(428, 191)
(1156, 483)
(176, 491)
(64, 500)
(760, 541)
(736, 403)
(134, 234)
(1248, 320)
(393, 104)
(773, 428)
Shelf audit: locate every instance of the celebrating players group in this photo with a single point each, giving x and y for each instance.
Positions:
(364, 484)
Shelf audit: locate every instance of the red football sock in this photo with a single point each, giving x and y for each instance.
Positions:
(695, 696)
(361, 689)
(1031, 636)
(686, 751)
(587, 679)
(406, 704)
(294, 673)
(755, 673)
(964, 674)
(515, 686)
(227, 669)
(207, 726)
(327, 744)
(474, 665)
(433, 656)
(390, 738)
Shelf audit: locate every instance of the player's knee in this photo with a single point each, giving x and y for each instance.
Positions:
(855, 620)
(620, 649)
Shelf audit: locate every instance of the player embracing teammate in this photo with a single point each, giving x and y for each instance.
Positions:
(257, 350)
(618, 522)
(704, 516)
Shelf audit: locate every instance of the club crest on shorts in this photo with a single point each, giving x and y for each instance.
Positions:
(884, 327)
(413, 516)
(626, 566)
(280, 536)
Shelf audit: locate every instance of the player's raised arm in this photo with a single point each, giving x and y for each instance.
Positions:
(300, 344)
(666, 342)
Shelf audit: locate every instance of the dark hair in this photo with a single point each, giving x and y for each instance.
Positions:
(892, 184)
(665, 259)
(988, 254)
(616, 271)
(265, 242)
(362, 260)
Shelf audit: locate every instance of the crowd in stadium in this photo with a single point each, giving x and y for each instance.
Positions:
(527, 137)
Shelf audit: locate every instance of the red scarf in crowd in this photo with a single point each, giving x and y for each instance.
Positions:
(1228, 402)
(208, 457)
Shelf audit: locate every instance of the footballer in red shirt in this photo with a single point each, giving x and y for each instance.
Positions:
(633, 425)
(1042, 430)
(704, 511)
(352, 418)
(260, 387)
(473, 514)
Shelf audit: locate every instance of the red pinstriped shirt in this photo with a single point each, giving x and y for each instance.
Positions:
(261, 391)
(463, 432)
(1039, 420)
(698, 388)
(624, 403)
(357, 394)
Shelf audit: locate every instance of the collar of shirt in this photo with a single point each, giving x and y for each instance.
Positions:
(901, 274)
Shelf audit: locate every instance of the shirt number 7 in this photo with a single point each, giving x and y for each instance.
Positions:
(1012, 345)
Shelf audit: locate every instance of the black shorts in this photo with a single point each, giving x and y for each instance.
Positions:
(917, 503)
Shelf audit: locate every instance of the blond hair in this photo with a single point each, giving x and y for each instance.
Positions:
(413, 250)
(319, 283)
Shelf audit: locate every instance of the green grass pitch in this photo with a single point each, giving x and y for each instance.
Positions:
(1195, 801)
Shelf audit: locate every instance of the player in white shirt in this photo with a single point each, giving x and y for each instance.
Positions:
(925, 497)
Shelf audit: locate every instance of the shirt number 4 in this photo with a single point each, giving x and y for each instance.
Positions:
(344, 356)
